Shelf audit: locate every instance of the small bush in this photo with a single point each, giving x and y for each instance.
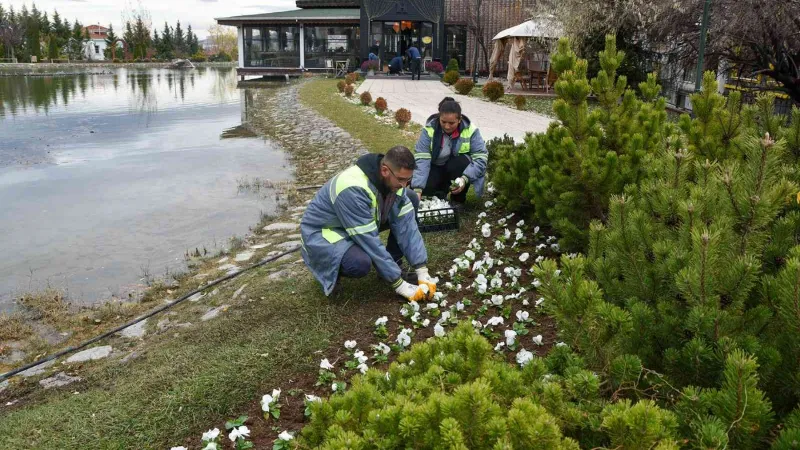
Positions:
(117, 61)
(464, 86)
(348, 90)
(366, 98)
(451, 77)
(452, 65)
(520, 102)
(351, 78)
(381, 105)
(494, 90)
(368, 65)
(341, 85)
(220, 57)
(198, 57)
(402, 116)
(434, 66)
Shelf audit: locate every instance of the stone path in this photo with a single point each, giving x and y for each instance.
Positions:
(422, 99)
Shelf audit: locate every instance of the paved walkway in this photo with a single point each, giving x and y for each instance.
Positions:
(422, 99)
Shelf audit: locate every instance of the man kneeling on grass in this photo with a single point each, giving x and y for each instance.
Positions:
(340, 226)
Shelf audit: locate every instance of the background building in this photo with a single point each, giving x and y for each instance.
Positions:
(94, 48)
(325, 32)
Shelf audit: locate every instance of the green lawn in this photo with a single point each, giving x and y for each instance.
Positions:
(188, 380)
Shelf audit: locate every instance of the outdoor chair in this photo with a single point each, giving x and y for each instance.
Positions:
(342, 68)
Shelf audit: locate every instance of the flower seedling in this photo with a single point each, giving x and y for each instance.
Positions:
(326, 374)
(380, 327)
(282, 443)
(239, 433)
(310, 399)
(381, 352)
(270, 405)
(209, 439)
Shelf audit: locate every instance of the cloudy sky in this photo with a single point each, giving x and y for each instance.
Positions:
(199, 13)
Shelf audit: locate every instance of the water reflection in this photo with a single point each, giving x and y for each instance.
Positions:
(103, 174)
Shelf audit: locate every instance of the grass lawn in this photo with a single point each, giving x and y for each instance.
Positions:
(187, 380)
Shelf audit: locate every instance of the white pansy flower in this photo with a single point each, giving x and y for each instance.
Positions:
(497, 300)
(557, 272)
(415, 317)
(312, 398)
(470, 255)
(360, 357)
(539, 301)
(521, 223)
(538, 260)
(524, 257)
(362, 368)
(325, 364)
(430, 306)
(511, 337)
(211, 435)
(459, 306)
(486, 230)
(488, 204)
(525, 302)
(561, 344)
(382, 321)
(499, 245)
(499, 346)
(211, 446)
(452, 271)
(536, 283)
(350, 345)
(438, 330)
(494, 321)
(477, 324)
(445, 317)
(536, 230)
(179, 448)
(522, 316)
(541, 247)
(463, 264)
(507, 233)
(285, 436)
(496, 282)
(240, 432)
(334, 387)
(554, 247)
(537, 339)
(426, 322)
(524, 357)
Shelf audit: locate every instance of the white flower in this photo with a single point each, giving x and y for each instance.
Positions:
(536, 230)
(521, 223)
(415, 317)
(524, 357)
(266, 402)
(430, 306)
(536, 283)
(404, 338)
(470, 255)
(445, 317)
(363, 368)
(524, 257)
(285, 436)
(499, 346)
(452, 271)
(241, 432)
(539, 301)
(486, 230)
(179, 448)
(381, 321)
(211, 446)
(382, 348)
(557, 273)
(496, 282)
(477, 324)
(494, 321)
(360, 357)
(541, 247)
(538, 260)
(502, 222)
(459, 306)
(482, 289)
(312, 398)
(462, 263)
(507, 234)
(561, 344)
(325, 364)
(334, 387)
(525, 302)
(350, 345)
(438, 330)
(554, 247)
(522, 316)
(210, 435)
(511, 336)
(488, 204)
(537, 339)
(426, 322)
(499, 245)
(497, 300)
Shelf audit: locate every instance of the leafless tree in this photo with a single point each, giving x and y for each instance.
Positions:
(12, 32)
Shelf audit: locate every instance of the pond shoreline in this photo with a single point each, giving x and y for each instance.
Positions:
(77, 68)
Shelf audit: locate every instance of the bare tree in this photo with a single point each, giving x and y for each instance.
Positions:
(12, 32)
(223, 39)
(476, 10)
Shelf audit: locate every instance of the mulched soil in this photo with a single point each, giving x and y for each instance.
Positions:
(361, 317)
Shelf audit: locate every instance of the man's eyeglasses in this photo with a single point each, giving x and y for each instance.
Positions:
(400, 180)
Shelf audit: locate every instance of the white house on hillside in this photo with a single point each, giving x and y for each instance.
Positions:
(94, 49)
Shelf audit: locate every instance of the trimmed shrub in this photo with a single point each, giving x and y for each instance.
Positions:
(520, 102)
(450, 77)
(348, 90)
(494, 90)
(366, 98)
(434, 66)
(452, 65)
(381, 105)
(402, 116)
(220, 57)
(199, 57)
(368, 65)
(464, 86)
(341, 85)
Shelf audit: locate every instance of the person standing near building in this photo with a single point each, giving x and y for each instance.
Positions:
(416, 61)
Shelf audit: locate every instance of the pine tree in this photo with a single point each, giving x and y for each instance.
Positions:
(157, 44)
(179, 41)
(167, 47)
(129, 39)
(141, 38)
(77, 41)
(111, 43)
(193, 45)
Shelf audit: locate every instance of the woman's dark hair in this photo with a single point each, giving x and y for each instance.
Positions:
(450, 106)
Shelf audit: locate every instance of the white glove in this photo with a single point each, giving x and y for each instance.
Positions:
(424, 279)
(410, 292)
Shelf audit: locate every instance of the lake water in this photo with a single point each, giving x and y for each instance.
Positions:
(106, 176)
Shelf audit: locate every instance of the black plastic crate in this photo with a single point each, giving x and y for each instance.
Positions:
(443, 219)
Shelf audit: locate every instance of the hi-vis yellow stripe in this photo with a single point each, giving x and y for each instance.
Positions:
(406, 209)
(363, 229)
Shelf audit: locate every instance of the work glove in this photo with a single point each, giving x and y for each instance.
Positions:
(410, 292)
(424, 279)
(458, 184)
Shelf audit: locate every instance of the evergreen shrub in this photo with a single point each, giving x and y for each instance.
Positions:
(493, 90)
(464, 86)
(450, 77)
